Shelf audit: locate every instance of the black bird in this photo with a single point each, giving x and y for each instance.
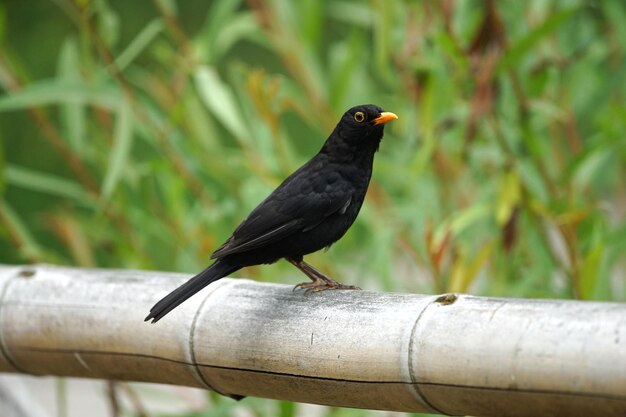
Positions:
(310, 210)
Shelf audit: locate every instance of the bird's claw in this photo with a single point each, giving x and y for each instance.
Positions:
(319, 285)
(319, 281)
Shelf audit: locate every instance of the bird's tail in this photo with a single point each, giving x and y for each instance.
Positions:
(213, 272)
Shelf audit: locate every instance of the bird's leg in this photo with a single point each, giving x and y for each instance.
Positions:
(319, 281)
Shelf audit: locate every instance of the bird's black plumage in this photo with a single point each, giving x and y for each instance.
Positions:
(310, 210)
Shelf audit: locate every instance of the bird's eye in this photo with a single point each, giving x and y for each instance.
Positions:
(359, 116)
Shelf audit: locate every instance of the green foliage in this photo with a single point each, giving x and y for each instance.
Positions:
(138, 137)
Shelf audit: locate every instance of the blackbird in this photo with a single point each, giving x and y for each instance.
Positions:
(310, 210)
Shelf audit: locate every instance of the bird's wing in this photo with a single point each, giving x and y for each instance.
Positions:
(296, 206)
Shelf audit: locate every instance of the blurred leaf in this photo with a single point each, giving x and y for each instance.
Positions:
(384, 23)
(71, 233)
(548, 109)
(520, 47)
(219, 99)
(592, 165)
(447, 44)
(531, 178)
(72, 113)
(509, 197)
(311, 22)
(616, 12)
(141, 42)
(168, 6)
(242, 26)
(2, 168)
(57, 91)
(119, 156)
(466, 268)
(590, 272)
(46, 183)
(344, 60)
(468, 217)
(28, 245)
(220, 17)
(287, 409)
(2, 22)
(108, 22)
(352, 13)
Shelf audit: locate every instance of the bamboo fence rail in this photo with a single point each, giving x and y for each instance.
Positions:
(455, 354)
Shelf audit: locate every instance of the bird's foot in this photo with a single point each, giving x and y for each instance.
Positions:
(321, 284)
(319, 281)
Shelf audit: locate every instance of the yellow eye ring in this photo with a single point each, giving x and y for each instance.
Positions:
(359, 116)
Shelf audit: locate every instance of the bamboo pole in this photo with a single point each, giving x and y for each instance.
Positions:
(450, 355)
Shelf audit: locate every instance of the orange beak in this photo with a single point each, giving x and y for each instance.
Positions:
(384, 117)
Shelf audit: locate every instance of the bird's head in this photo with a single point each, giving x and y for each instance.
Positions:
(361, 127)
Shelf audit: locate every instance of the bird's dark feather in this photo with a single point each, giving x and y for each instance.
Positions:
(299, 204)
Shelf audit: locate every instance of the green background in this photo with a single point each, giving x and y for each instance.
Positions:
(139, 134)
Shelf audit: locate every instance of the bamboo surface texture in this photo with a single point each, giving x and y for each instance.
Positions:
(452, 355)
